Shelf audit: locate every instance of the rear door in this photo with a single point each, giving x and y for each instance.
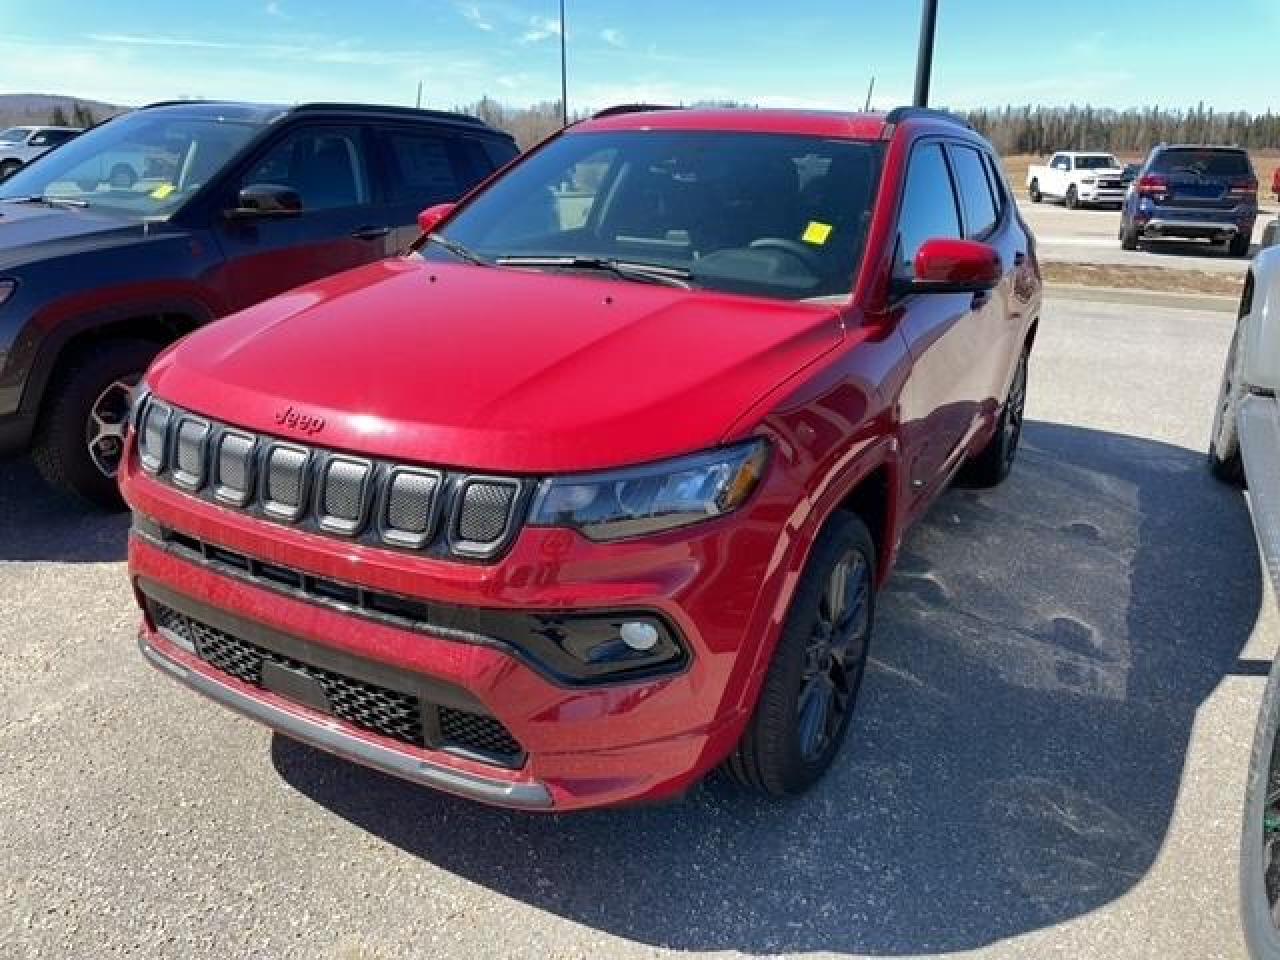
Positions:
(343, 224)
(426, 165)
(1202, 179)
(937, 403)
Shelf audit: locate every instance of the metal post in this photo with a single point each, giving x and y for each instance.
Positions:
(564, 73)
(924, 59)
(418, 104)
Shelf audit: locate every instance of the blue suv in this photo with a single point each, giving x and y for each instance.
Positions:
(1192, 192)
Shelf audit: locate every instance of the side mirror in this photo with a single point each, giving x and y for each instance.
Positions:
(265, 200)
(944, 265)
(433, 216)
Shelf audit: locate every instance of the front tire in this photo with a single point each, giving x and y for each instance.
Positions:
(1225, 460)
(992, 463)
(80, 437)
(1034, 191)
(1073, 198)
(812, 685)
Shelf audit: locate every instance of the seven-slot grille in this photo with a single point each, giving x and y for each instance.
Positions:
(390, 713)
(448, 513)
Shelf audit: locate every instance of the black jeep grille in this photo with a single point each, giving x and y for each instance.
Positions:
(390, 713)
(316, 489)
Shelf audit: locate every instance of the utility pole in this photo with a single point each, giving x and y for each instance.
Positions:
(924, 59)
(871, 88)
(418, 103)
(564, 73)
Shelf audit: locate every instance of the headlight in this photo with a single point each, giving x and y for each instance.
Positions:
(6, 290)
(661, 496)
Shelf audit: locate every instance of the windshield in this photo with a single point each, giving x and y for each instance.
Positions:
(762, 214)
(1202, 163)
(14, 134)
(1099, 161)
(144, 164)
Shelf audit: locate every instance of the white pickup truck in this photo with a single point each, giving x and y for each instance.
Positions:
(21, 145)
(1077, 179)
(1245, 444)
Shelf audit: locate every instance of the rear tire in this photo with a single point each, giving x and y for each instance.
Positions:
(811, 689)
(992, 463)
(1072, 199)
(1239, 245)
(1034, 191)
(95, 381)
(1260, 835)
(1129, 237)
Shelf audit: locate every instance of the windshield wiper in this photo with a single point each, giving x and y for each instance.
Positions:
(642, 272)
(458, 250)
(50, 201)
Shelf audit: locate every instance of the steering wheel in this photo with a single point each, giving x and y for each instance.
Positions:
(806, 255)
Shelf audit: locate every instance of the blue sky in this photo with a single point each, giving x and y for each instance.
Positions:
(817, 53)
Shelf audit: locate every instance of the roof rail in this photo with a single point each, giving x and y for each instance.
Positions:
(632, 108)
(387, 108)
(899, 114)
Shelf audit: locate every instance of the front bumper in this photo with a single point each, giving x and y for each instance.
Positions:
(722, 586)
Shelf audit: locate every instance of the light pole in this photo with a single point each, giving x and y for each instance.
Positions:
(564, 73)
(924, 59)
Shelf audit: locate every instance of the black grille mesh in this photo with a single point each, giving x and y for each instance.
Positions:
(447, 513)
(188, 455)
(344, 487)
(485, 508)
(387, 712)
(474, 731)
(285, 476)
(378, 709)
(410, 500)
(234, 451)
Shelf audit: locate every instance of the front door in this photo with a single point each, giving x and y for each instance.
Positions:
(342, 224)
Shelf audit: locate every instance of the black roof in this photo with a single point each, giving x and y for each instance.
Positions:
(271, 112)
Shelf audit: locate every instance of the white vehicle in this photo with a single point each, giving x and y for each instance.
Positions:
(21, 145)
(1077, 179)
(1245, 443)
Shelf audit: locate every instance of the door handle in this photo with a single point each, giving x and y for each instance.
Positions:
(370, 233)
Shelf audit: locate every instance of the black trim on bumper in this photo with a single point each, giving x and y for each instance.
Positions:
(522, 796)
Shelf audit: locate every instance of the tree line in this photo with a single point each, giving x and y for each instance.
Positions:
(80, 116)
(1042, 130)
(1012, 130)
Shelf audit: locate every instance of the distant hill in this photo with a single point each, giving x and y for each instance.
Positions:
(18, 108)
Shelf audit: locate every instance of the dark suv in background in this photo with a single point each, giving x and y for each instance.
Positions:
(163, 219)
(1190, 193)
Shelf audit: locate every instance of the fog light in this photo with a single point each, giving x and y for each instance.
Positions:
(639, 636)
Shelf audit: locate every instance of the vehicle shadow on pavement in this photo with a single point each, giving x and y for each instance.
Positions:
(38, 523)
(1040, 656)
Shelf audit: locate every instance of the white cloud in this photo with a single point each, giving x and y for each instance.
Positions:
(274, 9)
(613, 38)
(540, 28)
(471, 13)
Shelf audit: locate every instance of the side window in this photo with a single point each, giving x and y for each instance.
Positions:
(326, 165)
(975, 191)
(422, 170)
(501, 152)
(928, 205)
(997, 184)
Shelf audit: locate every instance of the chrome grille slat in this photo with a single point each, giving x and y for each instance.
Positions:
(471, 517)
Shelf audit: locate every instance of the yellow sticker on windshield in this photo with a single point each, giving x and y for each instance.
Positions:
(816, 233)
(162, 191)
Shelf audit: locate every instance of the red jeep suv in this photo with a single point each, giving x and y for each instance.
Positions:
(593, 491)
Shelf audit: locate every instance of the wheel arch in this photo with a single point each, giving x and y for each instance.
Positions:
(161, 322)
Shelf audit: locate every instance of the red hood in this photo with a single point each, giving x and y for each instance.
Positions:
(495, 369)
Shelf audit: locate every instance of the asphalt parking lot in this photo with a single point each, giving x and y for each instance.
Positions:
(1090, 235)
(1047, 762)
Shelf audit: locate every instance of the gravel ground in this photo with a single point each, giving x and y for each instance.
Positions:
(1047, 761)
